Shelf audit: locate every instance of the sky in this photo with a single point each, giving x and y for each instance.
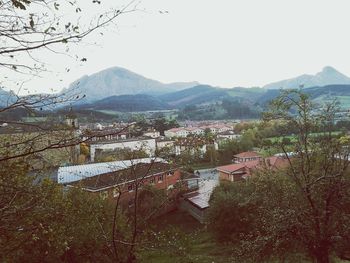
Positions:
(225, 43)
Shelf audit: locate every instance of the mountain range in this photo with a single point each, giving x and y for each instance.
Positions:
(118, 89)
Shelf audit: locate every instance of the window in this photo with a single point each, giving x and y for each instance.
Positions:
(170, 173)
(151, 181)
(130, 187)
(160, 178)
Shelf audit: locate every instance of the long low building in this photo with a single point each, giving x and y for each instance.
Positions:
(146, 144)
(68, 174)
(119, 180)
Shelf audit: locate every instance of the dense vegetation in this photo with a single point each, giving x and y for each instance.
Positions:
(300, 210)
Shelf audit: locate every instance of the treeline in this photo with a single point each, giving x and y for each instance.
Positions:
(227, 109)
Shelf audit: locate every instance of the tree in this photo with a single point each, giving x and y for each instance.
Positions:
(38, 217)
(50, 225)
(304, 208)
(32, 26)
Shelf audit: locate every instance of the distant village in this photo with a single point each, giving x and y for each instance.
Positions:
(110, 160)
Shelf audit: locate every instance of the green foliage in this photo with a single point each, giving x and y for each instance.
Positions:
(50, 224)
(300, 210)
(231, 147)
(227, 109)
(232, 211)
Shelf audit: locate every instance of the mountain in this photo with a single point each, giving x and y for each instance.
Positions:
(195, 95)
(6, 97)
(127, 103)
(119, 81)
(328, 76)
(317, 94)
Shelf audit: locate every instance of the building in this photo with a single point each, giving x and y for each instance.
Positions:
(228, 135)
(196, 203)
(217, 128)
(145, 144)
(72, 119)
(111, 182)
(193, 145)
(197, 130)
(165, 144)
(176, 132)
(68, 174)
(240, 171)
(106, 134)
(246, 157)
(19, 138)
(152, 134)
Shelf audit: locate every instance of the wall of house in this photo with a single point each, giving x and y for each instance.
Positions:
(224, 176)
(193, 210)
(167, 183)
(148, 145)
(246, 159)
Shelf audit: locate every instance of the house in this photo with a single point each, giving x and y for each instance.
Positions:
(240, 171)
(228, 135)
(217, 128)
(72, 173)
(165, 144)
(152, 134)
(108, 134)
(111, 182)
(146, 144)
(193, 145)
(196, 203)
(246, 157)
(176, 132)
(195, 131)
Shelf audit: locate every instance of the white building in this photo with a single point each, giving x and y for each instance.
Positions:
(229, 135)
(195, 131)
(153, 134)
(163, 143)
(176, 132)
(146, 144)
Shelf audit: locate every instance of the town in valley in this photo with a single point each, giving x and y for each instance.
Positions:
(105, 158)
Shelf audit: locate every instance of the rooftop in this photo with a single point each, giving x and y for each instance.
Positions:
(126, 175)
(121, 140)
(247, 155)
(67, 174)
(273, 161)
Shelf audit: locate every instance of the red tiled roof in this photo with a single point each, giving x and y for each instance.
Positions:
(247, 155)
(237, 166)
(274, 161)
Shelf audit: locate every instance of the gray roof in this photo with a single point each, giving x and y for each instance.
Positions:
(74, 173)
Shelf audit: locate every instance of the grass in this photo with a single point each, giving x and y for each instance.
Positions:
(293, 137)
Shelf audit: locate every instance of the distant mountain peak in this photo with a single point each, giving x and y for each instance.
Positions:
(328, 76)
(328, 70)
(117, 81)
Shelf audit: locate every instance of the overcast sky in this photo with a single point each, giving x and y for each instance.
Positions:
(223, 43)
